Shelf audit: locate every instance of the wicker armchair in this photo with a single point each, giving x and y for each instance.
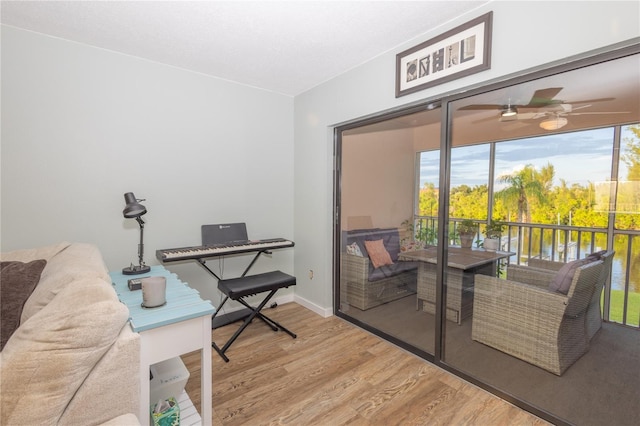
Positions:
(534, 324)
(540, 272)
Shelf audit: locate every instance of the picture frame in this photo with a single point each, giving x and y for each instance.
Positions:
(457, 53)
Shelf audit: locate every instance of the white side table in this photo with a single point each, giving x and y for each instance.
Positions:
(182, 325)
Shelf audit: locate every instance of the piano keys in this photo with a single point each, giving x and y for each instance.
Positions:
(200, 252)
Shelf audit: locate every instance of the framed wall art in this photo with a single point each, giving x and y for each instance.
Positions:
(459, 52)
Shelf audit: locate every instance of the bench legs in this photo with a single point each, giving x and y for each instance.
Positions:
(255, 312)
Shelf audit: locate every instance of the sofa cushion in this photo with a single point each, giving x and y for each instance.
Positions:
(50, 355)
(76, 261)
(378, 253)
(17, 281)
(392, 270)
(562, 280)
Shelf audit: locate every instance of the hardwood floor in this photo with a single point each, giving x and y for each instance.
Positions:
(336, 374)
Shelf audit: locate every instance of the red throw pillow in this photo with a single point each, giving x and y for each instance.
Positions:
(378, 253)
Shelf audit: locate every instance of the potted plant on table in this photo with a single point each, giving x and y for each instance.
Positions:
(466, 231)
(493, 233)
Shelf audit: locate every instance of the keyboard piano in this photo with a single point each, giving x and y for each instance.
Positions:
(200, 252)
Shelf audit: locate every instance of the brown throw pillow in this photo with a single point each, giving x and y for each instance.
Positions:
(378, 253)
(17, 282)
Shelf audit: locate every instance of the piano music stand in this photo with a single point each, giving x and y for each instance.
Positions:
(226, 233)
(239, 288)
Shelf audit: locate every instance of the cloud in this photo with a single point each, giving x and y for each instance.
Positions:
(577, 157)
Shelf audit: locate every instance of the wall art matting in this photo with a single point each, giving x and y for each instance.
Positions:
(459, 52)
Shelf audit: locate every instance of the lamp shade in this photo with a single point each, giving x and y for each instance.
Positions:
(133, 209)
(553, 123)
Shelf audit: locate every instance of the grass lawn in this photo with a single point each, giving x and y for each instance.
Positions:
(617, 307)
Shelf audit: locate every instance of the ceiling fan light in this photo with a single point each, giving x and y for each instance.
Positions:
(554, 123)
(509, 112)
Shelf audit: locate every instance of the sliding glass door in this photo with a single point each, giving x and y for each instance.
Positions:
(545, 160)
(498, 236)
(380, 220)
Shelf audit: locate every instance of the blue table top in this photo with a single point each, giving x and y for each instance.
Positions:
(183, 302)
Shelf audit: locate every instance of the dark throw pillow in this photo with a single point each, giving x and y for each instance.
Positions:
(17, 282)
(562, 281)
(596, 256)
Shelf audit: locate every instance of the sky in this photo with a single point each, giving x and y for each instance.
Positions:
(577, 157)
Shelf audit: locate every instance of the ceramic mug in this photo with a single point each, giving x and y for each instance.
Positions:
(154, 290)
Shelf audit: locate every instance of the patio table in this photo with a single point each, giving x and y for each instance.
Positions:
(462, 265)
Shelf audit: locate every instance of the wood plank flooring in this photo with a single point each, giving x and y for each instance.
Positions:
(336, 374)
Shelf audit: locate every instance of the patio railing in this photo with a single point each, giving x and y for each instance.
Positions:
(561, 243)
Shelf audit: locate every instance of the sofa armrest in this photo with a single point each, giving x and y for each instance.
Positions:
(355, 268)
(112, 388)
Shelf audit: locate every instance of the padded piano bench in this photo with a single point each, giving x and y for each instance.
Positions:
(239, 288)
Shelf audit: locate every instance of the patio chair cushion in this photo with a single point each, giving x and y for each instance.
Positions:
(596, 256)
(562, 280)
(378, 253)
(354, 249)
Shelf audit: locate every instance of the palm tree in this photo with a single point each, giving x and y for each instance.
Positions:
(632, 155)
(525, 185)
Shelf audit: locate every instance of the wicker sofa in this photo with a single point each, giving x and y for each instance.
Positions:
(367, 286)
(540, 271)
(533, 323)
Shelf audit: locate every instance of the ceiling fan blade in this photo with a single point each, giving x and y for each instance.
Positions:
(531, 115)
(482, 107)
(588, 101)
(544, 97)
(571, 108)
(484, 120)
(540, 99)
(597, 113)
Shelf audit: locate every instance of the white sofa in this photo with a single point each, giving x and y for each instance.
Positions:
(73, 359)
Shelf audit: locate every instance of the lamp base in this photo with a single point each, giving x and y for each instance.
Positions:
(136, 270)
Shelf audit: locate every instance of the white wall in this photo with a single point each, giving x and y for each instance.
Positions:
(81, 126)
(378, 178)
(526, 34)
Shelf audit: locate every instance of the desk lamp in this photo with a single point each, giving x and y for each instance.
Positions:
(134, 209)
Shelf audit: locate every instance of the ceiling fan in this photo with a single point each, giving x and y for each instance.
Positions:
(542, 105)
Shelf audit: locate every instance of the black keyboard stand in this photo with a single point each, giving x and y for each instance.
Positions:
(202, 262)
(235, 316)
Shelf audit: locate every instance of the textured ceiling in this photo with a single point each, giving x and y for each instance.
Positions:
(282, 46)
